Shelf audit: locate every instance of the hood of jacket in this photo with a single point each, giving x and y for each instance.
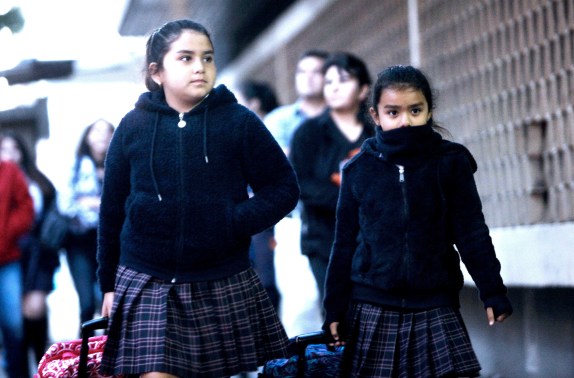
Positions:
(155, 101)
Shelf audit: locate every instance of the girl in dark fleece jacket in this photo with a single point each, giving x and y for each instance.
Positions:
(408, 211)
(176, 221)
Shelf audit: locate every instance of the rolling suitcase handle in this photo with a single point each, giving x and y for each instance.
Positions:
(298, 345)
(86, 330)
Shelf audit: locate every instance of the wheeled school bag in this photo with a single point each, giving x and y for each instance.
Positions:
(310, 357)
(76, 358)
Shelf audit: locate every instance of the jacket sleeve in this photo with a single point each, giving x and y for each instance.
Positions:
(313, 172)
(112, 214)
(270, 176)
(472, 238)
(338, 283)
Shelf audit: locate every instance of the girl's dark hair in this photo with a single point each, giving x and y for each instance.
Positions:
(28, 165)
(260, 90)
(350, 63)
(159, 42)
(84, 147)
(402, 77)
(314, 53)
(406, 77)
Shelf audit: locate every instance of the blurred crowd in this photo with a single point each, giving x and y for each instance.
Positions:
(27, 262)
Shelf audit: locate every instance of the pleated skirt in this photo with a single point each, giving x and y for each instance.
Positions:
(200, 329)
(387, 343)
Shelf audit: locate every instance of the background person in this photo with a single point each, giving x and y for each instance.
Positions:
(38, 263)
(16, 219)
(283, 121)
(80, 200)
(320, 147)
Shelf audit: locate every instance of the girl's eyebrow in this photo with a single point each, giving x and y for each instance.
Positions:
(205, 52)
(418, 104)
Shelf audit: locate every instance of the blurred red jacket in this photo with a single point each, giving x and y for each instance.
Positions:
(16, 211)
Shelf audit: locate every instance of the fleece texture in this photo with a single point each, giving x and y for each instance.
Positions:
(175, 201)
(408, 211)
(318, 151)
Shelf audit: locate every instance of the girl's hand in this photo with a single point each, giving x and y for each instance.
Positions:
(107, 303)
(333, 327)
(490, 316)
(34, 305)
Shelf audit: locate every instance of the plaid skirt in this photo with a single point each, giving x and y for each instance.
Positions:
(199, 329)
(388, 343)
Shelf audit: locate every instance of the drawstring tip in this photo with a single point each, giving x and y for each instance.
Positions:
(159, 197)
(206, 159)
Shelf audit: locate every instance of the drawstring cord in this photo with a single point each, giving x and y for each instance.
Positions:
(151, 157)
(205, 136)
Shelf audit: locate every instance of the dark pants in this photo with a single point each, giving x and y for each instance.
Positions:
(262, 255)
(81, 256)
(36, 337)
(318, 266)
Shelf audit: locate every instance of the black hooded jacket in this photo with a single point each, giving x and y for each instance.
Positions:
(318, 149)
(175, 203)
(407, 199)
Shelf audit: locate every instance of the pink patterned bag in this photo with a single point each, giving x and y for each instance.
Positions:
(62, 359)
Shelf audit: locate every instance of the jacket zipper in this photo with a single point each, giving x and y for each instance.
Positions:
(181, 124)
(406, 256)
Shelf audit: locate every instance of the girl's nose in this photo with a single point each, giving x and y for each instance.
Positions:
(335, 85)
(405, 120)
(198, 66)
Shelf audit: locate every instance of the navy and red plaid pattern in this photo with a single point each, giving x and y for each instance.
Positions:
(388, 343)
(199, 329)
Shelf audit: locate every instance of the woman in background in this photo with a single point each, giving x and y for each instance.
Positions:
(319, 149)
(16, 219)
(38, 263)
(81, 202)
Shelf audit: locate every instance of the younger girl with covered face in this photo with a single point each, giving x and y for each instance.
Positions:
(176, 221)
(408, 203)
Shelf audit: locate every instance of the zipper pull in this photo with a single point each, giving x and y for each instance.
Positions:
(401, 173)
(181, 124)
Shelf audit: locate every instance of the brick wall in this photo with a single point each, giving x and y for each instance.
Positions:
(504, 73)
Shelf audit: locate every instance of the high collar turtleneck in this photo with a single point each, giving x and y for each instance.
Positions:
(408, 146)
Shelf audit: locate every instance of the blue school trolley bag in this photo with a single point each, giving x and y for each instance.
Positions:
(310, 357)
